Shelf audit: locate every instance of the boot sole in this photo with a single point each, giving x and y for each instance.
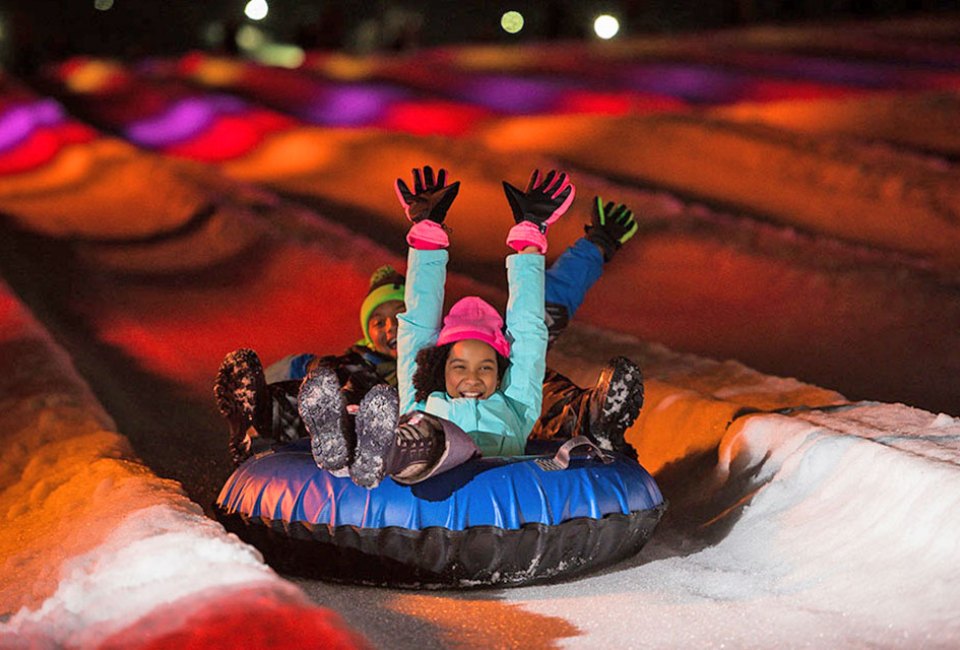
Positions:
(323, 412)
(622, 404)
(235, 392)
(376, 429)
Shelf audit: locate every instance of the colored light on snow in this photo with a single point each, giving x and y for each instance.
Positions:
(89, 76)
(211, 71)
(256, 9)
(432, 117)
(606, 26)
(511, 95)
(182, 120)
(18, 123)
(351, 104)
(511, 22)
(284, 56)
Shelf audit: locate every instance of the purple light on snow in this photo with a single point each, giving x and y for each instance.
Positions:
(692, 83)
(850, 73)
(17, 124)
(184, 120)
(351, 105)
(511, 95)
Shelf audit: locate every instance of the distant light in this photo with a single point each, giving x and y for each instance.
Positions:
(284, 56)
(256, 9)
(250, 38)
(606, 26)
(102, 5)
(511, 22)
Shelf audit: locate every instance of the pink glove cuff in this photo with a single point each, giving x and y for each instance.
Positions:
(526, 234)
(427, 236)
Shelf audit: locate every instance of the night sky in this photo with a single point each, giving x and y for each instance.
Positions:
(44, 30)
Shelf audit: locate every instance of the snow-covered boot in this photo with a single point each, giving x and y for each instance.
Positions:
(240, 390)
(615, 404)
(324, 413)
(376, 427)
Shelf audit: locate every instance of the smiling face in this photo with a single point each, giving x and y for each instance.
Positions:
(382, 326)
(471, 370)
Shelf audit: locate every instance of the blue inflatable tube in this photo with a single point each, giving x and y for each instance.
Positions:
(491, 521)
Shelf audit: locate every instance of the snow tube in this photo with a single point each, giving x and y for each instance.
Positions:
(490, 521)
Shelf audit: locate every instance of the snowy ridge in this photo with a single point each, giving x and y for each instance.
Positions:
(834, 522)
(875, 193)
(94, 544)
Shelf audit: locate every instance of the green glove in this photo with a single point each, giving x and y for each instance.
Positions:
(611, 226)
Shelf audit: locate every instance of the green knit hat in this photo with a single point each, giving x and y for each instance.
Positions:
(385, 285)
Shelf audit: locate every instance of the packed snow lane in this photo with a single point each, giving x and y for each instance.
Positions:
(97, 550)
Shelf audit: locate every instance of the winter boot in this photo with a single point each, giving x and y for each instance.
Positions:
(324, 414)
(615, 403)
(376, 433)
(240, 390)
(409, 452)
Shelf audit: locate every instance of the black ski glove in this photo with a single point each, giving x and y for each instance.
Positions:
(543, 202)
(430, 199)
(611, 226)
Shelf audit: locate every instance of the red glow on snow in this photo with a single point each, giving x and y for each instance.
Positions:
(298, 301)
(42, 146)
(230, 137)
(594, 103)
(433, 117)
(236, 620)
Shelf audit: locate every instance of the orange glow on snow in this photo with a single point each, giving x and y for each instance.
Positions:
(482, 623)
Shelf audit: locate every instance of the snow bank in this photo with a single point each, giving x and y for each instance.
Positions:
(836, 533)
(94, 544)
(885, 118)
(876, 196)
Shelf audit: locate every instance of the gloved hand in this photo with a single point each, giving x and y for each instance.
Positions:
(427, 207)
(611, 226)
(543, 202)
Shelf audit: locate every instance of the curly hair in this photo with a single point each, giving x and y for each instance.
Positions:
(430, 375)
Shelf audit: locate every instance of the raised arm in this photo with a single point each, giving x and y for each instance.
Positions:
(544, 201)
(426, 206)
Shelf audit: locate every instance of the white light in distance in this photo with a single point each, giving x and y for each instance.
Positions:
(606, 26)
(256, 9)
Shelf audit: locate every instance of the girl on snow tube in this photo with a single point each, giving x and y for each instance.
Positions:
(466, 390)
(260, 405)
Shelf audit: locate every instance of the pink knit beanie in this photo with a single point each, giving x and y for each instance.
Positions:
(473, 318)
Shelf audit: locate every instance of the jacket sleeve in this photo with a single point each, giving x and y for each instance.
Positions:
(523, 382)
(419, 325)
(572, 274)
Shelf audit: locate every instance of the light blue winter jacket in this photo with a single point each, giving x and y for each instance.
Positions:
(501, 423)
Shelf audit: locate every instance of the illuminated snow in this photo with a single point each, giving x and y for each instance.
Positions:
(797, 518)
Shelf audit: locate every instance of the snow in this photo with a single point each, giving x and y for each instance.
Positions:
(799, 247)
(93, 542)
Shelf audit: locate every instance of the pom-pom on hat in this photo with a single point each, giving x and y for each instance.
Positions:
(385, 285)
(473, 318)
